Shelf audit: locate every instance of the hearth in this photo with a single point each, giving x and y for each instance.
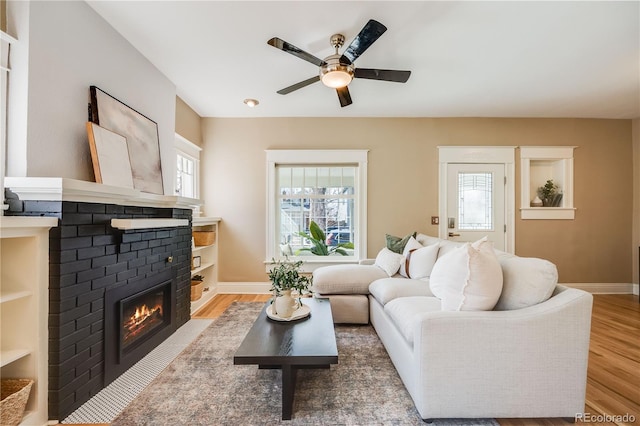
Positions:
(138, 316)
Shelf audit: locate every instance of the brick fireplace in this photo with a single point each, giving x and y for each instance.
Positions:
(99, 275)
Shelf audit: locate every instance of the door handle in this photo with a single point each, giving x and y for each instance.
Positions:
(451, 234)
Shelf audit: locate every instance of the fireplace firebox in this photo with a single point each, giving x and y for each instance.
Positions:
(138, 316)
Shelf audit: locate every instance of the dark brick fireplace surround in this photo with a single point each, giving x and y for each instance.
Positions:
(86, 258)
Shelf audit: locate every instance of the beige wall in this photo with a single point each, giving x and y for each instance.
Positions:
(188, 122)
(636, 200)
(65, 48)
(403, 184)
(3, 15)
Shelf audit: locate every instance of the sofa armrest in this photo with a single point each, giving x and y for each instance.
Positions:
(537, 354)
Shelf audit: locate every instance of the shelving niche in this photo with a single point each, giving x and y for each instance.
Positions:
(208, 260)
(539, 164)
(24, 306)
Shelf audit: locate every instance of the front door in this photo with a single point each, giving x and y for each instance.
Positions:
(476, 203)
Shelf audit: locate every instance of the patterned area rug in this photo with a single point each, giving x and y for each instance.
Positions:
(203, 387)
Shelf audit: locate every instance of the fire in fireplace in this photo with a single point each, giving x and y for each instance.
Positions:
(141, 314)
(138, 316)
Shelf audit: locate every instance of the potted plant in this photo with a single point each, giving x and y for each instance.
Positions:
(285, 276)
(319, 241)
(550, 194)
(197, 283)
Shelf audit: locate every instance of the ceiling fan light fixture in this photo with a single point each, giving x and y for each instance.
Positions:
(334, 74)
(337, 78)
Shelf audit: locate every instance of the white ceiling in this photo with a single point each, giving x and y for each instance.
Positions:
(468, 59)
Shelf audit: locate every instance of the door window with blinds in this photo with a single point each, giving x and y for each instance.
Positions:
(327, 187)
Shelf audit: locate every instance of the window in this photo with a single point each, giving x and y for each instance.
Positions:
(474, 206)
(187, 183)
(5, 45)
(185, 175)
(327, 187)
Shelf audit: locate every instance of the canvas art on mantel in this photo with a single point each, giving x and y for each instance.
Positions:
(141, 134)
(110, 157)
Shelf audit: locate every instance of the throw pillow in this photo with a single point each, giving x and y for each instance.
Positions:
(468, 278)
(422, 261)
(527, 282)
(388, 261)
(409, 248)
(396, 244)
(418, 260)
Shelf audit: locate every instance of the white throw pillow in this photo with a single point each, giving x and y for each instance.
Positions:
(468, 278)
(411, 246)
(388, 261)
(420, 262)
(527, 282)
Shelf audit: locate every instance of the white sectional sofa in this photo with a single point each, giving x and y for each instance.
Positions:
(525, 357)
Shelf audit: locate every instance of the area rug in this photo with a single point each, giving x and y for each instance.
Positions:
(203, 387)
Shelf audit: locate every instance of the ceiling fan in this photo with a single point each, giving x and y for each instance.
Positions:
(337, 71)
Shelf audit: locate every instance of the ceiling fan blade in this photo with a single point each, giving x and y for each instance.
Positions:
(386, 75)
(299, 85)
(295, 51)
(344, 96)
(367, 36)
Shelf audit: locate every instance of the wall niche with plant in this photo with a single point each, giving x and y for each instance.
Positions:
(547, 182)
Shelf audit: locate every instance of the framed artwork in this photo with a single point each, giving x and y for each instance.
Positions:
(110, 156)
(141, 134)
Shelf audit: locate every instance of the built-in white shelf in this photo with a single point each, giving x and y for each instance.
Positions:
(24, 303)
(127, 224)
(9, 356)
(9, 224)
(202, 221)
(202, 267)
(209, 258)
(206, 297)
(14, 295)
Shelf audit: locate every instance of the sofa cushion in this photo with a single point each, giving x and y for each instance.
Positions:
(468, 278)
(386, 289)
(396, 244)
(527, 281)
(389, 261)
(346, 279)
(405, 313)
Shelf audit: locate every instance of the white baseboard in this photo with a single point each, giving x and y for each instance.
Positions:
(604, 288)
(636, 289)
(243, 288)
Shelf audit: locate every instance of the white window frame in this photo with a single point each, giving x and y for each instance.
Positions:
(6, 41)
(325, 157)
(188, 149)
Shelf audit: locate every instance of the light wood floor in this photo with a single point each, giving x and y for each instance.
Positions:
(613, 377)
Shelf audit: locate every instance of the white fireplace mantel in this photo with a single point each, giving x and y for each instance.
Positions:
(63, 189)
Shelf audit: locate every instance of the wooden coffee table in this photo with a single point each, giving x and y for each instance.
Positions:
(289, 346)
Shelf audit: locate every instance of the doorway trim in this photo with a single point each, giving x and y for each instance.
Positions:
(479, 155)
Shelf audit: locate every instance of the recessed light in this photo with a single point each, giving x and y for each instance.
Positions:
(251, 102)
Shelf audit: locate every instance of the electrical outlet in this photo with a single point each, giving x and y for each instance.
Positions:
(435, 220)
